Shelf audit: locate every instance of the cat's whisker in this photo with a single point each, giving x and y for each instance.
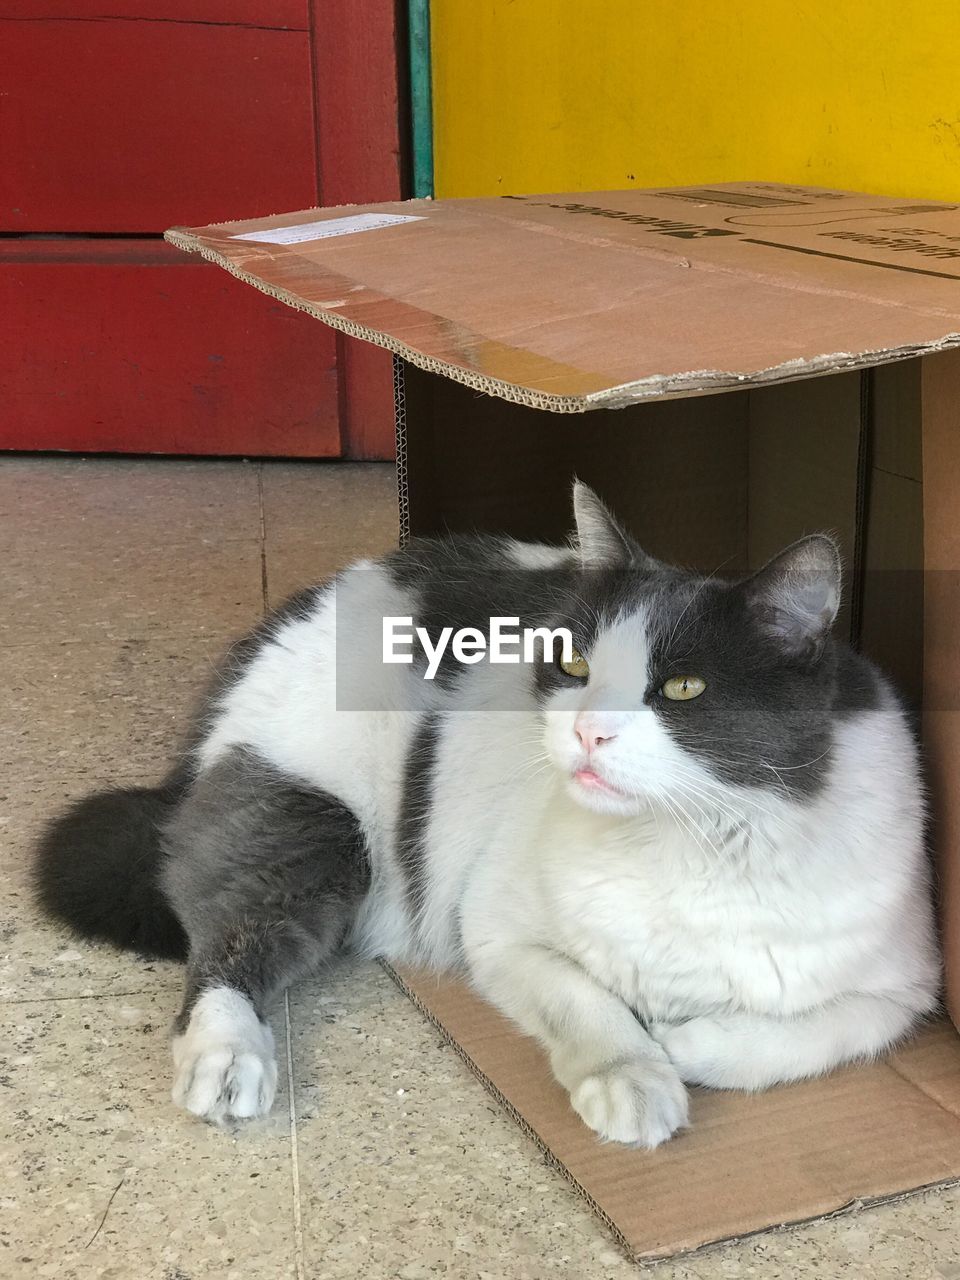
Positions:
(691, 825)
(723, 800)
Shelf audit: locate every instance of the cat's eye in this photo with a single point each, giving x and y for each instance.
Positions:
(576, 665)
(683, 688)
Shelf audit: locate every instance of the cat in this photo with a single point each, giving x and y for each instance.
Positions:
(691, 851)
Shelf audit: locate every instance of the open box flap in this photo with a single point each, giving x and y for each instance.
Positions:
(579, 301)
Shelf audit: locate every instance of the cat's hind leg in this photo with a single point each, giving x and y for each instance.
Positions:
(267, 876)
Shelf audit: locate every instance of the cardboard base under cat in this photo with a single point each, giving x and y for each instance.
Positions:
(778, 360)
(748, 1162)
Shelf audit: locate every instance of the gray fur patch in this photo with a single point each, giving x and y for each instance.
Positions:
(415, 809)
(266, 874)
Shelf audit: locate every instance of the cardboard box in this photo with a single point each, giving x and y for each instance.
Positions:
(760, 361)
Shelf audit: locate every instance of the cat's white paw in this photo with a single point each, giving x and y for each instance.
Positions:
(225, 1065)
(708, 1051)
(641, 1102)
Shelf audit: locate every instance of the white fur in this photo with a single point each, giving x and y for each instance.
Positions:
(758, 938)
(225, 1065)
(537, 555)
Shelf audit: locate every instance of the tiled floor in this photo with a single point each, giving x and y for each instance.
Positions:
(119, 583)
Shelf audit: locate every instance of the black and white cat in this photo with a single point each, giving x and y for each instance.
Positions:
(692, 851)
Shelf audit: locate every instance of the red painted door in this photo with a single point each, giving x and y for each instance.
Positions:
(118, 121)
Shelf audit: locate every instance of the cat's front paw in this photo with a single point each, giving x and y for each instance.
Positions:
(224, 1064)
(641, 1102)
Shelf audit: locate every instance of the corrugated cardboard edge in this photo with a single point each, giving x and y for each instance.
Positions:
(479, 382)
(656, 386)
(647, 1260)
(511, 1110)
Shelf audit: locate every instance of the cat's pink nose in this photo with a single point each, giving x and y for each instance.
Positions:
(588, 732)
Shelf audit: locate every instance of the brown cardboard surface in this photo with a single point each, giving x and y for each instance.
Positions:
(476, 464)
(940, 391)
(576, 301)
(719, 482)
(806, 444)
(891, 599)
(748, 1162)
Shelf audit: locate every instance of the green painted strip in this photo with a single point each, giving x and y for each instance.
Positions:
(421, 104)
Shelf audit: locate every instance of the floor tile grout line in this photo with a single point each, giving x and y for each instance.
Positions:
(90, 995)
(294, 1145)
(107, 641)
(261, 516)
(288, 1029)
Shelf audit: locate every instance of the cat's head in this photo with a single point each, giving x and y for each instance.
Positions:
(687, 687)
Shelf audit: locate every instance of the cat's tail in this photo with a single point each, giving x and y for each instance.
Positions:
(97, 870)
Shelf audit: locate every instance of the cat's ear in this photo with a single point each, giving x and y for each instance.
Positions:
(602, 543)
(797, 594)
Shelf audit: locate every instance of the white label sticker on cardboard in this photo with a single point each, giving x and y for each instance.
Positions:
(332, 227)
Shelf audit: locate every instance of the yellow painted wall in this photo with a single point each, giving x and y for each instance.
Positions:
(551, 95)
